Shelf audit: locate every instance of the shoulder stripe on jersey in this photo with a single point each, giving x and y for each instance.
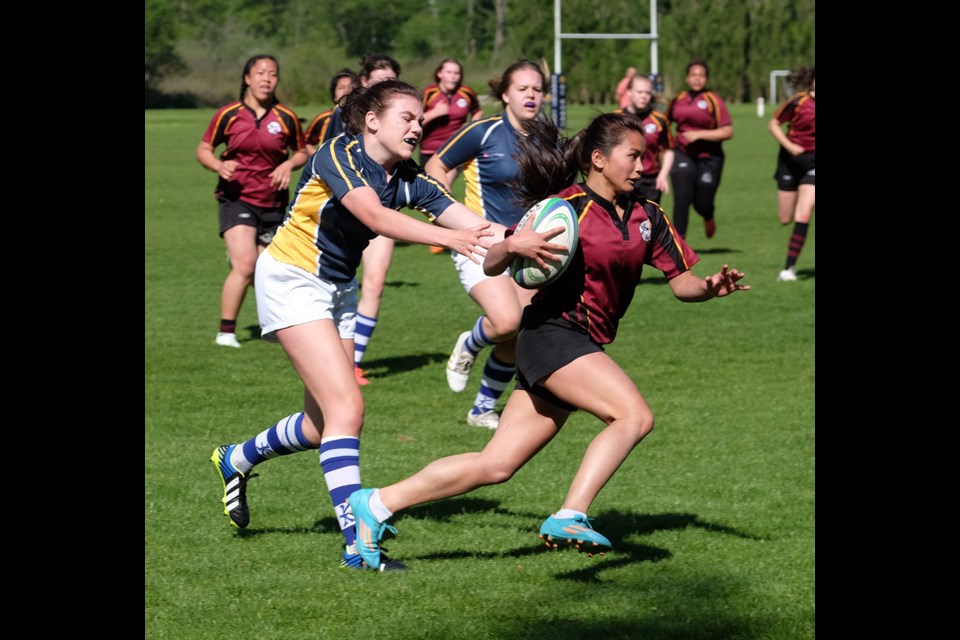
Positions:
(714, 108)
(465, 129)
(227, 114)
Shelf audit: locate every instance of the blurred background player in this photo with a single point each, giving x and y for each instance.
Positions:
(378, 255)
(484, 150)
(621, 93)
(703, 122)
(796, 173)
(658, 158)
(342, 83)
(254, 172)
(448, 104)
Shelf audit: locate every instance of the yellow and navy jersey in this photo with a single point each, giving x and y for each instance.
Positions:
(322, 236)
(598, 285)
(316, 131)
(484, 149)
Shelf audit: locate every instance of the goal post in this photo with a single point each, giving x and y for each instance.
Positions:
(558, 84)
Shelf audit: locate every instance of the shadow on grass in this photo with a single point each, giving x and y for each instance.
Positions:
(616, 525)
(383, 367)
(804, 274)
(715, 251)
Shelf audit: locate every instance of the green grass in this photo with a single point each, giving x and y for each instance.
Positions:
(712, 516)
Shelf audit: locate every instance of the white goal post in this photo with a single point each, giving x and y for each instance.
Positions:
(558, 84)
(780, 73)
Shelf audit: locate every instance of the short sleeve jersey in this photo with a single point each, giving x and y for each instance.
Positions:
(317, 129)
(258, 146)
(485, 149)
(598, 286)
(322, 236)
(462, 103)
(800, 113)
(335, 126)
(656, 132)
(695, 111)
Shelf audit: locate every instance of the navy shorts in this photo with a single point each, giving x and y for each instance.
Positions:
(238, 212)
(543, 349)
(792, 171)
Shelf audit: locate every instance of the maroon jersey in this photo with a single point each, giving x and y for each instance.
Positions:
(317, 129)
(656, 131)
(800, 113)
(258, 146)
(462, 103)
(693, 111)
(598, 285)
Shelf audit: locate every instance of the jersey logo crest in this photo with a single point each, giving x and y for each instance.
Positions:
(274, 128)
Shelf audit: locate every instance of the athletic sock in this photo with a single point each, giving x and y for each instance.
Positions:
(478, 339)
(282, 439)
(361, 338)
(795, 246)
(496, 376)
(340, 461)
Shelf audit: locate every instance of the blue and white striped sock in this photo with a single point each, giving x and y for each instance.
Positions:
(361, 337)
(340, 461)
(496, 376)
(478, 339)
(281, 439)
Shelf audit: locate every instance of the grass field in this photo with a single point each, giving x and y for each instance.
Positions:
(712, 516)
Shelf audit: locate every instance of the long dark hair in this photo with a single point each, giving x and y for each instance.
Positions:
(549, 163)
(801, 78)
(356, 104)
(249, 65)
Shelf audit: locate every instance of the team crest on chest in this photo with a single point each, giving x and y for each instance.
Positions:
(462, 103)
(645, 230)
(274, 128)
(650, 128)
(702, 104)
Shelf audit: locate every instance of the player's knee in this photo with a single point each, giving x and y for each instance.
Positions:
(504, 325)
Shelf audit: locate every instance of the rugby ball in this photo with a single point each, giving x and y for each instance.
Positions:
(547, 214)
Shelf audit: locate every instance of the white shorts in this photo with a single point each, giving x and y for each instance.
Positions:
(471, 273)
(288, 296)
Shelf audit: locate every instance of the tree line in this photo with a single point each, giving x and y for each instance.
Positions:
(194, 49)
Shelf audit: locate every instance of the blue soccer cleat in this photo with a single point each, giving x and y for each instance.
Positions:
(352, 560)
(369, 531)
(575, 531)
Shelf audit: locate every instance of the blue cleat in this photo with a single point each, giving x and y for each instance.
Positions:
(352, 560)
(369, 531)
(575, 531)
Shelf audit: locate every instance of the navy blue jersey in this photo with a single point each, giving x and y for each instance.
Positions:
(319, 234)
(485, 149)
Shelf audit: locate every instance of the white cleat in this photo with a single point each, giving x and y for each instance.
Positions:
(227, 340)
(459, 365)
(486, 420)
(787, 275)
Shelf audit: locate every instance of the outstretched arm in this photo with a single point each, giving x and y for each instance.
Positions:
(472, 242)
(526, 243)
(690, 288)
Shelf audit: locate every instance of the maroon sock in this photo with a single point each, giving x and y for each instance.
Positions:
(797, 238)
(228, 326)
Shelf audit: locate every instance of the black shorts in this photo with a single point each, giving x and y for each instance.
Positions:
(792, 171)
(543, 349)
(646, 186)
(238, 212)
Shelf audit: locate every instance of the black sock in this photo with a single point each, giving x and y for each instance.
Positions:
(795, 246)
